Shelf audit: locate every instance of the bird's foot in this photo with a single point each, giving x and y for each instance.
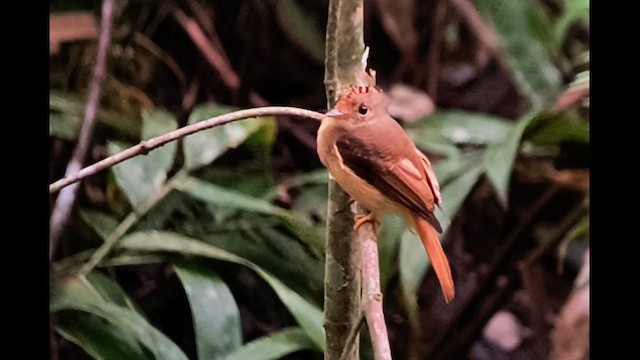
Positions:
(360, 219)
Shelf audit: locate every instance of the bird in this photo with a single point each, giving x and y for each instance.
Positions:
(374, 160)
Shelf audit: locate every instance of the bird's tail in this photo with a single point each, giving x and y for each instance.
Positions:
(437, 256)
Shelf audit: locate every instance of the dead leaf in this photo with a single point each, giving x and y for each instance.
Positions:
(408, 103)
(71, 26)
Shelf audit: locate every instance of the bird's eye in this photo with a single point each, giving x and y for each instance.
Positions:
(362, 109)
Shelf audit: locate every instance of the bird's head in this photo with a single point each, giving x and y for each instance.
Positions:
(359, 105)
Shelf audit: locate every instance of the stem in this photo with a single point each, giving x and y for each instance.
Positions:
(147, 145)
(372, 295)
(344, 49)
(65, 201)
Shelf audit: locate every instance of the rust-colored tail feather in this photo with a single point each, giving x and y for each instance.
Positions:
(437, 256)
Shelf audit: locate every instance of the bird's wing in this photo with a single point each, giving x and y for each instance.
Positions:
(403, 176)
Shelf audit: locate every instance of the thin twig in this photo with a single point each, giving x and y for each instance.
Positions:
(214, 58)
(147, 145)
(212, 50)
(127, 223)
(372, 295)
(435, 50)
(351, 339)
(66, 199)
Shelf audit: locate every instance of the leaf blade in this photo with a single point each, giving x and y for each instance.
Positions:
(274, 346)
(78, 294)
(216, 318)
(308, 316)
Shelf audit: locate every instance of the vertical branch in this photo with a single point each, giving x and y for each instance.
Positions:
(372, 295)
(344, 49)
(67, 197)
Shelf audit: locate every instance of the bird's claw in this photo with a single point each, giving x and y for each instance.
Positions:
(360, 219)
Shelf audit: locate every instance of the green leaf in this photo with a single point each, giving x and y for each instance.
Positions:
(109, 290)
(459, 127)
(301, 28)
(67, 113)
(143, 176)
(100, 222)
(254, 185)
(274, 346)
(413, 262)
(312, 202)
(575, 10)
(556, 129)
(526, 56)
(205, 146)
(78, 294)
(499, 159)
(317, 177)
(388, 239)
(218, 196)
(265, 136)
(308, 316)
(64, 126)
(449, 169)
(454, 194)
(216, 318)
(99, 338)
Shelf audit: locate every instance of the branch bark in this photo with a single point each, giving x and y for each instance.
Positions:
(372, 295)
(344, 49)
(147, 145)
(66, 199)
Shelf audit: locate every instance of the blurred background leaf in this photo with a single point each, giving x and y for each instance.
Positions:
(216, 317)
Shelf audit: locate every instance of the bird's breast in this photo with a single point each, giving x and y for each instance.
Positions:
(360, 190)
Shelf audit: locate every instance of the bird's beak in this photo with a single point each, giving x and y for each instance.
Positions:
(334, 113)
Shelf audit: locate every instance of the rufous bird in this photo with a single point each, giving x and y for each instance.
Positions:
(373, 159)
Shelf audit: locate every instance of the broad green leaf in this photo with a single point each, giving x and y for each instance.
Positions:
(218, 196)
(312, 202)
(456, 191)
(143, 176)
(109, 290)
(265, 136)
(526, 56)
(64, 126)
(575, 10)
(460, 127)
(205, 146)
(274, 346)
(99, 338)
(413, 262)
(557, 129)
(499, 159)
(301, 28)
(80, 295)
(317, 177)
(249, 184)
(388, 239)
(449, 169)
(69, 108)
(216, 318)
(308, 316)
(101, 223)
(263, 241)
